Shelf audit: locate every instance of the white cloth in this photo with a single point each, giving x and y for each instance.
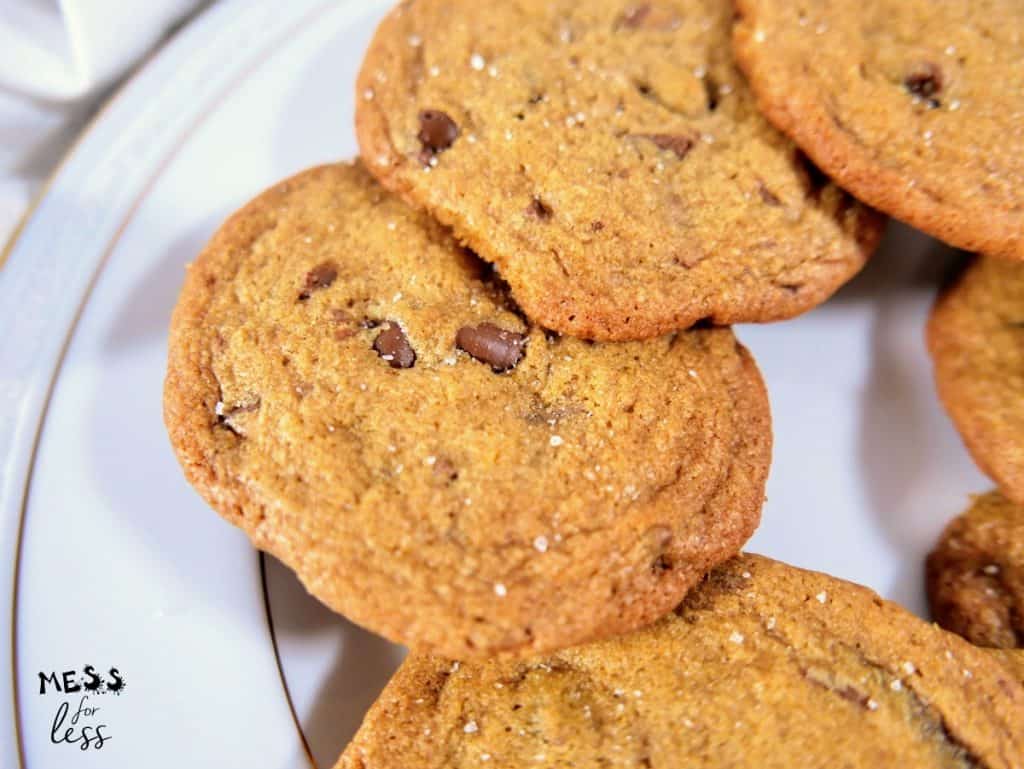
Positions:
(56, 59)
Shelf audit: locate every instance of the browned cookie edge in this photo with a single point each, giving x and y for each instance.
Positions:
(797, 110)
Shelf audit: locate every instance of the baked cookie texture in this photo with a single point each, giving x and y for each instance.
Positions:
(916, 107)
(975, 574)
(361, 396)
(976, 339)
(608, 158)
(1012, 659)
(763, 665)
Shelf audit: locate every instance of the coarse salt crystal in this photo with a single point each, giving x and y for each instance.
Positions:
(470, 727)
(500, 590)
(540, 544)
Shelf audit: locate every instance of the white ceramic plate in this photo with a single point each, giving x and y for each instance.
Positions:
(111, 561)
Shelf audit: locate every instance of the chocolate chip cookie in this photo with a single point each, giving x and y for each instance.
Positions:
(763, 665)
(976, 574)
(365, 400)
(608, 158)
(914, 106)
(976, 338)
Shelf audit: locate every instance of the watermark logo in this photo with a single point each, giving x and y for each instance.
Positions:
(80, 719)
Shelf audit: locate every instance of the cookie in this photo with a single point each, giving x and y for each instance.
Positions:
(763, 665)
(976, 339)
(914, 106)
(1012, 659)
(976, 574)
(363, 398)
(607, 157)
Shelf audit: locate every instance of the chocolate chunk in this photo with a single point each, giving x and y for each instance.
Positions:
(437, 133)
(499, 347)
(680, 144)
(318, 278)
(634, 16)
(925, 82)
(393, 346)
(539, 209)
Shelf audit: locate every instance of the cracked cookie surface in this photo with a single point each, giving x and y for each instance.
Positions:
(975, 574)
(916, 107)
(763, 665)
(976, 339)
(608, 158)
(362, 397)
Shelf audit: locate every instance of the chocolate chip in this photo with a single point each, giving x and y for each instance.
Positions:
(318, 278)
(437, 133)
(769, 197)
(539, 209)
(393, 346)
(854, 695)
(680, 144)
(924, 81)
(491, 344)
(634, 16)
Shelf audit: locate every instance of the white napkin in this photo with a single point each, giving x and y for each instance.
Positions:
(56, 56)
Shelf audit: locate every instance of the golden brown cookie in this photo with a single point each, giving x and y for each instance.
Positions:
(608, 158)
(1012, 659)
(763, 666)
(976, 574)
(914, 106)
(976, 338)
(362, 397)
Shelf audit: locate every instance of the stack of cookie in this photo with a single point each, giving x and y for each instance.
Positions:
(479, 391)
